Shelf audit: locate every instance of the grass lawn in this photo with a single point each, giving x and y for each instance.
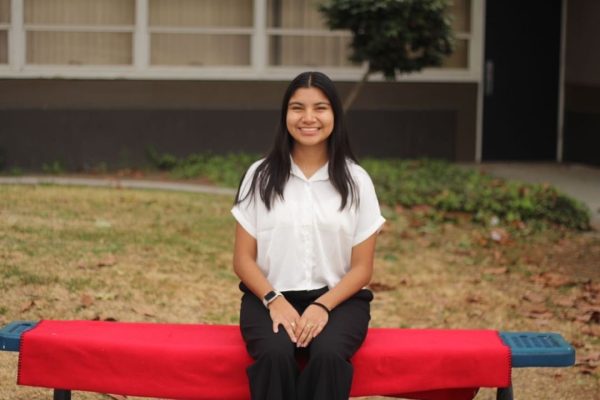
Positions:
(87, 253)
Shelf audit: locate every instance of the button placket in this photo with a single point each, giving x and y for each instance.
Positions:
(307, 226)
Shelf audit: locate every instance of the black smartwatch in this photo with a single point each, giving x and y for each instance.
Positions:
(269, 297)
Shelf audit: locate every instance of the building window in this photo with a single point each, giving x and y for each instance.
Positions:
(460, 11)
(79, 32)
(200, 32)
(4, 26)
(210, 39)
(298, 36)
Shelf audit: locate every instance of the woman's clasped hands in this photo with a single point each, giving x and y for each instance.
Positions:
(300, 328)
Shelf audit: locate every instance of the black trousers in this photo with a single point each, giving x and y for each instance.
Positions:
(327, 375)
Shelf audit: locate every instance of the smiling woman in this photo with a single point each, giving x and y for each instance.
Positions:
(307, 219)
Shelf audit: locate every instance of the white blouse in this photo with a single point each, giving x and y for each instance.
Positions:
(305, 242)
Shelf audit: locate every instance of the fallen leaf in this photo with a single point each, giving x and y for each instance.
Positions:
(586, 369)
(558, 375)
(591, 330)
(565, 302)
(495, 271)
(552, 279)
(458, 216)
(578, 344)
(28, 306)
(115, 396)
(589, 308)
(98, 317)
(586, 318)
(143, 311)
(537, 311)
(474, 299)
(422, 209)
(534, 297)
(497, 255)
(416, 223)
(519, 225)
(107, 261)
(380, 287)
(86, 300)
(405, 235)
(591, 359)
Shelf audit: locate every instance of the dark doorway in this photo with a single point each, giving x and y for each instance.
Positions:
(522, 58)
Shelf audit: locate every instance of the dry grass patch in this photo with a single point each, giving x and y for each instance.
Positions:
(85, 253)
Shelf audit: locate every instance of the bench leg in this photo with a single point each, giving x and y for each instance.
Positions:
(61, 394)
(505, 393)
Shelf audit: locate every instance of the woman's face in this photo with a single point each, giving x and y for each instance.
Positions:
(309, 117)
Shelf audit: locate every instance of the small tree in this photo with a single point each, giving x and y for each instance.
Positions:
(392, 35)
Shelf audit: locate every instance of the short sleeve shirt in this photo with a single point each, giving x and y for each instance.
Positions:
(305, 241)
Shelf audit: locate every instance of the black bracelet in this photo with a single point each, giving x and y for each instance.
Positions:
(323, 306)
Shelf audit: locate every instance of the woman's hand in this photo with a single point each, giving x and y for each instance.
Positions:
(311, 323)
(283, 313)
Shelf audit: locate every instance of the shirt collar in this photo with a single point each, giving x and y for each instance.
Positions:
(322, 174)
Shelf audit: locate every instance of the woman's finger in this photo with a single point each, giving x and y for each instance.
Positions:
(318, 330)
(289, 330)
(305, 335)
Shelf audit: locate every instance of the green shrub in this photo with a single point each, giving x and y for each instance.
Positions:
(164, 162)
(444, 186)
(225, 170)
(55, 167)
(450, 188)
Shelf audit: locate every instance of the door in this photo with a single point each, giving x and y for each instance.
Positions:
(521, 79)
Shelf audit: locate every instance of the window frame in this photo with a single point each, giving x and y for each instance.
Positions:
(259, 69)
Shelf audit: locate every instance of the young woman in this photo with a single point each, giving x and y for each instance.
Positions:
(307, 217)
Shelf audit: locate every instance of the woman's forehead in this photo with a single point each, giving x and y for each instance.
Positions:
(310, 95)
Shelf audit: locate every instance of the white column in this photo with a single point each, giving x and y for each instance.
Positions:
(16, 36)
(141, 36)
(561, 84)
(259, 37)
(476, 61)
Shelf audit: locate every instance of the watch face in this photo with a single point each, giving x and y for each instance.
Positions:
(269, 296)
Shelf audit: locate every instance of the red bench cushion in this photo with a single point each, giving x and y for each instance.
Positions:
(181, 361)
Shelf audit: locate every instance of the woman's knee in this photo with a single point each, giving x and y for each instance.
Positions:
(329, 350)
(278, 346)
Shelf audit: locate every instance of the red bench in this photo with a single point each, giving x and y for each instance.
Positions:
(184, 361)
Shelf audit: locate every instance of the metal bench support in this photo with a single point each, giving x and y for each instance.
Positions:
(505, 393)
(61, 394)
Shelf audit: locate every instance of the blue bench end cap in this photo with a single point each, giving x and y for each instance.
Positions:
(10, 335)
(536, 349)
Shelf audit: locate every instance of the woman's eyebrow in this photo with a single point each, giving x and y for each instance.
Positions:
(319, 103)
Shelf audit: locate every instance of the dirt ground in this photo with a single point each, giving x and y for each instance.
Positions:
(82, 253)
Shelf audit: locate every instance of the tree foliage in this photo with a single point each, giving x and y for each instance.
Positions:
(393, 35)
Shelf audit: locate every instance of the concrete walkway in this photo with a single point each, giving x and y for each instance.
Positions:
(117, 183)
(579, 181)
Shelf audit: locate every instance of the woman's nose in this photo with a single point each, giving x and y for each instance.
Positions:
(309, 116)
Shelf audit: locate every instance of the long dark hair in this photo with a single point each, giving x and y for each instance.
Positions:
(274, 171)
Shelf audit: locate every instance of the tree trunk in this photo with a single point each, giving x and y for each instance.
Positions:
(356, 90)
